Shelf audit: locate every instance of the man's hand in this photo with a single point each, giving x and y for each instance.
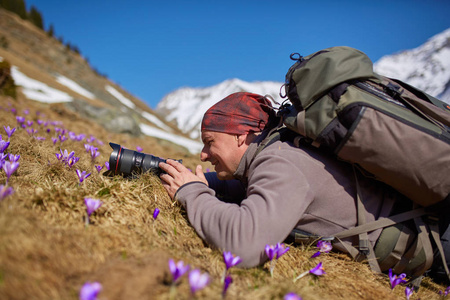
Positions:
(177, 175)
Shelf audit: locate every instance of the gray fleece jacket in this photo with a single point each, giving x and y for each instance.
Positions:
(282, 188)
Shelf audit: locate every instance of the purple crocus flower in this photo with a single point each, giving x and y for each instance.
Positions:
(155, 213)
(9, 131)
(3, 145)
(292, 296)
(13, 158)
(62, 138)
(281, 249)
(99, 168)
(139, 149)
(324, 247)
(231, 260)
(30, 123)
(270, 252)
(82, 175)
(68, 158)
(273, 253)
(32, 131)
(92, 205)
(94, 152)
(20, 120)
(226, 284)
(10, 168)
(54, 140)
(197, 280)
(59, 156)
(5, 191)
(396, 280)
(177, 269)
(107, 165)
(89, 291)
(72, 135)
(408, 292)
(71, 161)
(318, 270)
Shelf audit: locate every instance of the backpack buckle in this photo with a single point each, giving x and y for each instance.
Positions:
(364, 247)
(392, 90)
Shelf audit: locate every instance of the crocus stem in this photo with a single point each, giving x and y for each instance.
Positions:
(272, 266)
(301, 275)
(173, 291)
(87, 221)
(222, 280)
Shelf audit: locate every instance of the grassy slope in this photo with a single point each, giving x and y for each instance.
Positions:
(47, 253)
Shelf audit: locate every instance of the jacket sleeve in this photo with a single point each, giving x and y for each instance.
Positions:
(272, 207)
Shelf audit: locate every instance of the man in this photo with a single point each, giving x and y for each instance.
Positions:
(253, 201)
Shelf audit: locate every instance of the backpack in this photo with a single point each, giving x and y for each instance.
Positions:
(387, 130)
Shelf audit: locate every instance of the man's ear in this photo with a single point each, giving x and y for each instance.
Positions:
(241, 138)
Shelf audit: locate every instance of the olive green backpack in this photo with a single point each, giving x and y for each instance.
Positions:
(388, 130)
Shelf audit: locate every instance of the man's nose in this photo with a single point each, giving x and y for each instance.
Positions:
(204, 155)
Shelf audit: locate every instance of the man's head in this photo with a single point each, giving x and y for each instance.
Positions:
(229, 126)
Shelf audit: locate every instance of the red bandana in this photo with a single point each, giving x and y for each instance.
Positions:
(238, 113)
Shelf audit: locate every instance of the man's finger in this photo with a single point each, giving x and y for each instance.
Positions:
(178, 166)
(200, 174)
(169, 169)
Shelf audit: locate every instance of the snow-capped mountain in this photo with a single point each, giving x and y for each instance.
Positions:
(426, 67)
(186, 106)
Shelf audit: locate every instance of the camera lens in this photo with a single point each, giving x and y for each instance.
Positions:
(127, 162)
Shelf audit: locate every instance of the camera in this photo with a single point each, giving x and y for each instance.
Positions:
(127, 162)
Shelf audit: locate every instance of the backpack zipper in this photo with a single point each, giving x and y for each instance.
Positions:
(374, 91)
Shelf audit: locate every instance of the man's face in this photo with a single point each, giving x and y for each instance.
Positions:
(224, 151)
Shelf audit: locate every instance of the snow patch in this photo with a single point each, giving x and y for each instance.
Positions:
(120, 97)
(38, 91)
(192, 146)
(74, 86)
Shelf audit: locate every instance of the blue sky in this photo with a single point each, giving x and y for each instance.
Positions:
(152, 48)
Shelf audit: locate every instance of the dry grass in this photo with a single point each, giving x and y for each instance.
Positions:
(46, 252)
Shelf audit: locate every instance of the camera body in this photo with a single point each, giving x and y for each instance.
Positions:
(127, 162)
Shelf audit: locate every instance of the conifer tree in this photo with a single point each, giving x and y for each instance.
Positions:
(6, 4)
(51, 30)
(19, 8)
(35, 17)
(15, 6)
